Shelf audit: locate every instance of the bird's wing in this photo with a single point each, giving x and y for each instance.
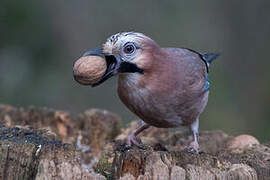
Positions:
(207, 58)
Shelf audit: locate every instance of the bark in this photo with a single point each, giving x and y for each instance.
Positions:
(31, 147)
(221, 157)
(34, 154)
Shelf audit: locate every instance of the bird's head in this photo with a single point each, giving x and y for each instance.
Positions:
(126, 52)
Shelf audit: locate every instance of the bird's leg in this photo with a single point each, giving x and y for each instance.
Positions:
(194, 145)
(131, 139)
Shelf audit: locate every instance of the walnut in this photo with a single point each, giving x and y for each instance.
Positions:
(89, 70)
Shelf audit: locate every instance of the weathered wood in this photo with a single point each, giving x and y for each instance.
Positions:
(31, 154)
(28, 131)
(88, 131)
(94, 125)
(29, 149)
(172, 160)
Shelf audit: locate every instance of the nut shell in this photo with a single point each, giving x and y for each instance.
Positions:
(242, 141)
(89, 70)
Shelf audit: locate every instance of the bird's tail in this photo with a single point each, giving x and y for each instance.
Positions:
(209, 57)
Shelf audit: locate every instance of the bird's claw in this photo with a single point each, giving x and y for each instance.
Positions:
(194, 147)
(132, 139)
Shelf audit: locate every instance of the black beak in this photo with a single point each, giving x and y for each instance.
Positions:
(94, 52)
(112, 62)
(114, 65)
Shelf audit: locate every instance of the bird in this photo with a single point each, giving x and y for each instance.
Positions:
(165, 87)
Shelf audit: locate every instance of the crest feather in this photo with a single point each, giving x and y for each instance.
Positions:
(115, 40)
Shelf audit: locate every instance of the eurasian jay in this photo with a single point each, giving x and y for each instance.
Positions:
(164, 87)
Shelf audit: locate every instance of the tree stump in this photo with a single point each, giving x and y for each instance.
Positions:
(34, 154)
(221, 157)
(31, 147)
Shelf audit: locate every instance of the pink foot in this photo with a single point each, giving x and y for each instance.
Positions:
(132, 139)
(194, 146)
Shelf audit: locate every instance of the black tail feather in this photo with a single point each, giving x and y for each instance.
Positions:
(209, 57)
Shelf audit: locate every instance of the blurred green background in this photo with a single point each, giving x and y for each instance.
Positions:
(40, 40)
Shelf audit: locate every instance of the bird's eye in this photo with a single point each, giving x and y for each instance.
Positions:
(129, 48)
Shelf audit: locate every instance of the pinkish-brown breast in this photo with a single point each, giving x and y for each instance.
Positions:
(170, 92)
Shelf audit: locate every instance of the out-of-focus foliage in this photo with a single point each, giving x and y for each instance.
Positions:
(40, 40)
